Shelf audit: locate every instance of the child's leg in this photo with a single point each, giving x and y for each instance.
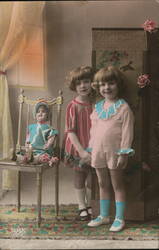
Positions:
(104, 183)
(105, 191)
(120, 198)
(89, 190)
(79, 184)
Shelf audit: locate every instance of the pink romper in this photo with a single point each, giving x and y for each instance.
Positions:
(77, 121)
(111, 133)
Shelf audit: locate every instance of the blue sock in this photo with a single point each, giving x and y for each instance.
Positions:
(104, 207)
(120, 208)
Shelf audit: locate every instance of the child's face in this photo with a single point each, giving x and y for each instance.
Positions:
(41, 114)
(83, 88)
(108, 89)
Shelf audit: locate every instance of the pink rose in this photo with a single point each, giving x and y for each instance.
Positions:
(149, 25)
(44, 158)
(143, 80)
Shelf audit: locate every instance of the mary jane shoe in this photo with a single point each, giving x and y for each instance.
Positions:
(117, 225)
(100, 220)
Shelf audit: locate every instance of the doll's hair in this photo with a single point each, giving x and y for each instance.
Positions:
(41, 103)
(110, 73)
(80, 73)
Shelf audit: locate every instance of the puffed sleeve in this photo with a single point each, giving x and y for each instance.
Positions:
(93, 118)
(71, 119)
(127, 132)
(53, 132)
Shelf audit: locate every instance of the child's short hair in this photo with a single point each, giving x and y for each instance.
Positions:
(41, 103)
(107, 74)
(80, 73)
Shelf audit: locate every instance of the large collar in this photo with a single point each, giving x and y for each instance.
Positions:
(107, 113)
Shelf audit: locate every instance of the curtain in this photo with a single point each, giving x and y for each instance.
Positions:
(17, 23)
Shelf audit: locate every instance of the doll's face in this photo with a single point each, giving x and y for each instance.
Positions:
(83, 88)
(41, 114)
(109, 89)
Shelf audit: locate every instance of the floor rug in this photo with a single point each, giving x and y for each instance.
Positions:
(23, 226)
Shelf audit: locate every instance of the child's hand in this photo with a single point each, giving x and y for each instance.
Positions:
(85, 157)
(122, 160)
(49, 143)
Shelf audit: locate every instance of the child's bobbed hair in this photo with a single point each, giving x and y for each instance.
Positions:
(110, 73)
(80, 73)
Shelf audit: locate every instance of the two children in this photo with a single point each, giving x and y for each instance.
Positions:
(107, 133)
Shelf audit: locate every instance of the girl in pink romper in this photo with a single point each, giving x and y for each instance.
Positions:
(111, 139)
(77, 135)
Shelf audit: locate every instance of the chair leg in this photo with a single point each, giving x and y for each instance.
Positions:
(39, 193)
(56, 190)
(18, 191)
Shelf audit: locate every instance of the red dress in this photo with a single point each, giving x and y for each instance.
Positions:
(77, 121)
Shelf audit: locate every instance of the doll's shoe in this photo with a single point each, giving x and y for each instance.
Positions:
(117, 225)
(100, 220)
(21, 159)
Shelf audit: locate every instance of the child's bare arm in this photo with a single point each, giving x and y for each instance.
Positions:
(82, 153)
(49, 142)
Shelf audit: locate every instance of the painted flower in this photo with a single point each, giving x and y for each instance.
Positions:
(143, 80)
(44, 158)
(149, 25)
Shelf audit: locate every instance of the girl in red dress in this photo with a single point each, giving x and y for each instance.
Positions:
(77, 135)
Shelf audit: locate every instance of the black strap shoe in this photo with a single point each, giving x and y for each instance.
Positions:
(83, 217)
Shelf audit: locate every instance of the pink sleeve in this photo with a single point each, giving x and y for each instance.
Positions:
(127, 132)
(71, 119)
(93, 118)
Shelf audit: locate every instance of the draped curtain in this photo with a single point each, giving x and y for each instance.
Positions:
(17, 22)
